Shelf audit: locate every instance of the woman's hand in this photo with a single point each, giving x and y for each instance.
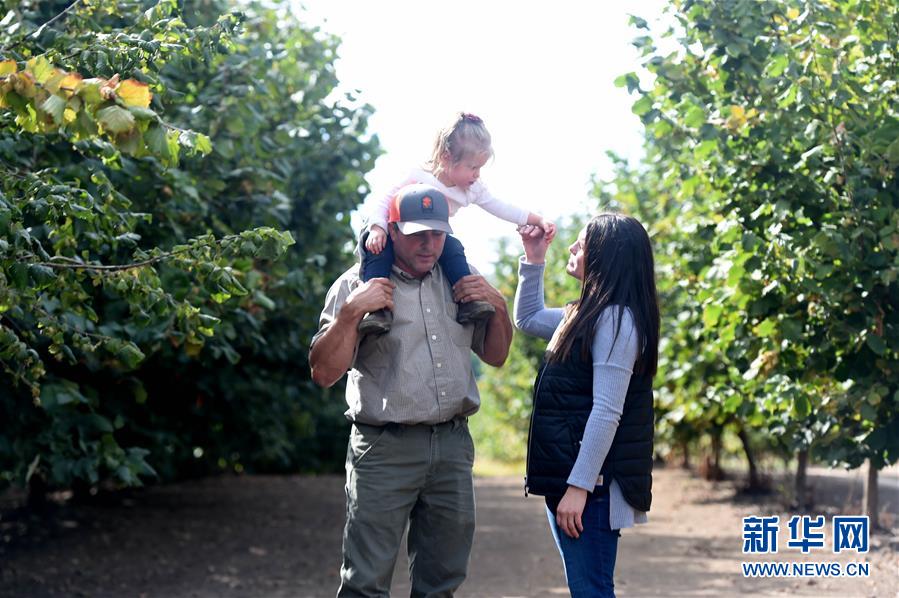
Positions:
(377, 239)
(569, 511)
(535, 243)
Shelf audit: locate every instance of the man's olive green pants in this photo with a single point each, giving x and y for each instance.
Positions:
(417, 475)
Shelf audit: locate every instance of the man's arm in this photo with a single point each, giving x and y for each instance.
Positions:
(332, 353)
(498, 335)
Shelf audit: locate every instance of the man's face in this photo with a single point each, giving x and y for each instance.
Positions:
(417, 253)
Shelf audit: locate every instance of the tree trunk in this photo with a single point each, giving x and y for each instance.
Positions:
(802, 480)
(755, 483)
(37, 492)
(685, 447)
(716, 450)
(871, 502)
(710, 469)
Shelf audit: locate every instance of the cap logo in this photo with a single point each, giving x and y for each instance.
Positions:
(426, 204)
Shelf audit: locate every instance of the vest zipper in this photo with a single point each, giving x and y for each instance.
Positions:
(527, 463)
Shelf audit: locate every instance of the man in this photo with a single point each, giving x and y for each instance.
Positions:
(410, 392)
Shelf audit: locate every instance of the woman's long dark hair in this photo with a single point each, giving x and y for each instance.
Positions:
(618, 270)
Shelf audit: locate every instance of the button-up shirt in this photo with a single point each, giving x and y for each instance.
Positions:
(421, 371)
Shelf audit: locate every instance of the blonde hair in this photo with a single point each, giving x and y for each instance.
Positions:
(465, 136)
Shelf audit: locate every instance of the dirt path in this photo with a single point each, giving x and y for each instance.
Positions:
(280, 536)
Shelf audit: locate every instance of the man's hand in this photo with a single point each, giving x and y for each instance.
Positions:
(498, 334)
(535, 242)
(376, 240)
(332, 354)
(476, 288)
(370, 296)
(569, 511)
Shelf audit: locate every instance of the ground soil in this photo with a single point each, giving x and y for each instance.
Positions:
(269, 536)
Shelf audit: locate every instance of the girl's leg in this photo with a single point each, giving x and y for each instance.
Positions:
(453, 260)
(375, 265)
(589, 560)
(455, 266)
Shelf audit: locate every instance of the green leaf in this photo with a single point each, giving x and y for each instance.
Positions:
(41, 275)
(143, 113)
(270, 249)
(203, 144)
(85, 125)
(876, 344)
(157, 142)
(766, 328)
(19, 274)
(695, 117)
(90, 92)
(41, 68)
(868, 412)
(733, 402)
(54, 106)
(99, 423)
(711, 314)
(705, 149)
(115, 119)
(57, 394)
(777, 66)
(791, 330)
(130, 355)
(638, 22)
(642, 106)
(893, 153)
(221, 296)
(801, 405)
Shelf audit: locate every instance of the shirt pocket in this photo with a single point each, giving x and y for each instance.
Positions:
(373, 356)
(461, 335)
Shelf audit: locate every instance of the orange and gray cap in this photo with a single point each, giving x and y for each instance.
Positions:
(419, 207)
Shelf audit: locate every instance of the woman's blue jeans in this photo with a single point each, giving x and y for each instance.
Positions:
(589, 560)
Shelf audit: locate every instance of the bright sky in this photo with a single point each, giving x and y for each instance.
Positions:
(540, 74)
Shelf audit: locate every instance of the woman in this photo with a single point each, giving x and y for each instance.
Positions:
(590, 443)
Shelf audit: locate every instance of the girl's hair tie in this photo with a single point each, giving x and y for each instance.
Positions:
(471, 117)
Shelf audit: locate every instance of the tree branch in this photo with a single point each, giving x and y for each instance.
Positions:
(40, 29)
(72, 264)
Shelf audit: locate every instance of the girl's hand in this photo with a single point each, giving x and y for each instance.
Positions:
(377, 239)
(535, 243)
(569, 511)
(549, 230)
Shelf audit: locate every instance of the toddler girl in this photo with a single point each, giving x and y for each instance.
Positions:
(460, 151)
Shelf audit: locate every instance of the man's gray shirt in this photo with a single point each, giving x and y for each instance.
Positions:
(421, 371)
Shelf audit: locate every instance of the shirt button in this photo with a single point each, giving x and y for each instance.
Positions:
(428, 309)
(433, 337)
(442, 393)
(440, 365)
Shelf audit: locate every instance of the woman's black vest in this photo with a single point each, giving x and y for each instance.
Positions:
(563, 398)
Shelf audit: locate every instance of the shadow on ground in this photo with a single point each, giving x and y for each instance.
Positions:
(272, 536)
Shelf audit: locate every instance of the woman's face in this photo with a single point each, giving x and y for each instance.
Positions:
(575, 265)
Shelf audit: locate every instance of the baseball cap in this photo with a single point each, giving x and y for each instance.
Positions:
(419, 207)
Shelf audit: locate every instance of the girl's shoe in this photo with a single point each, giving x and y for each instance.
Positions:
(376, 322)
(474, 311)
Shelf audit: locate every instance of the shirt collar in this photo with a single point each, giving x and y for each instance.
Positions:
(406, 277)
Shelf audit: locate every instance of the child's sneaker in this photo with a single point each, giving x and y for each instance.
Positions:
(474, 311)
(376, 322)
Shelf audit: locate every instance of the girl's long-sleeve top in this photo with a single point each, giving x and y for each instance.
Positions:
(477, 194)
(613, 364)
